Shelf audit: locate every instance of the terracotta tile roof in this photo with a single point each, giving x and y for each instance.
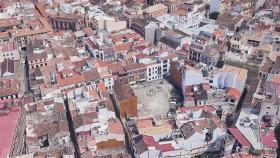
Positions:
(239, 155)
(7, 47)
(241, 74)
(4, 35)
(189, 98)
(122, 47)
(8, 122)
(91, 75)
(144, 123)
(115, 128)
(123, 91)
(75, 78)
(189, 91)
(41, 9)
(134, 66)
(276, 79)
(70, 51)
(169, 56)
(207, 108)
(9, 87)
(119, 37)
(89, 31)
(7, 22)
(149, 140)
(140, 48)
(116, 68)
(155, 8)
(239, 136)
(37, 56)
(233, 92)
(141, 56)
(80, 64)
(101, 86)
(28, 32)
(268, 139)
(100, 63)
(164, 147)
(91, 44)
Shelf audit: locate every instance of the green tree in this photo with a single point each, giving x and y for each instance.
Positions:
(277, 135)
(214, 15)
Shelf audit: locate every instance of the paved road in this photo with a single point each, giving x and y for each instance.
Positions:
(24, 76)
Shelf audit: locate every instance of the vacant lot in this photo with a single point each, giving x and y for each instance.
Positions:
(153, 99)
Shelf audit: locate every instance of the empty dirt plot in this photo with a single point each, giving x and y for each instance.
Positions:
(153, 99)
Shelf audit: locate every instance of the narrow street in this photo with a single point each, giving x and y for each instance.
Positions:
(71, 129)
(24, 70)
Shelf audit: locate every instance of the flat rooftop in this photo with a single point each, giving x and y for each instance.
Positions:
(153, 99)
(8, 124)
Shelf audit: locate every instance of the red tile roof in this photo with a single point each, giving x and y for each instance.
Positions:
(164, 147)
(140, 48)
(144, 123)
(91, 44)
(91, 75)
(101, 86)
(75, 78)
(239, 155)
(276, 79)
(188, 91)
(80, 63)
(7, 47)
(190, 98)
(238, 135)
(149, 140)
(41, 9)
(268, 139)
(169, 56)
(208, 108)
(233, 92)
(116, 68)
(122, 47)
(8, 123)
(115, 128)
(89, 31)
(141, 56)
